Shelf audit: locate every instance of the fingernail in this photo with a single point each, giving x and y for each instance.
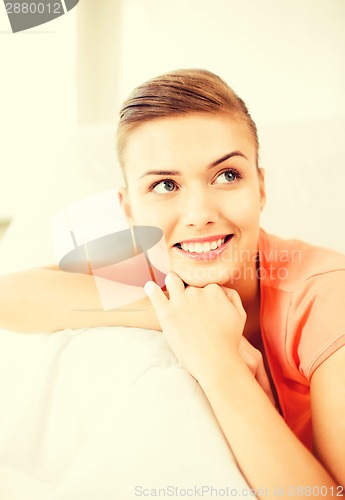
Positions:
(150, 287)
(168, 278)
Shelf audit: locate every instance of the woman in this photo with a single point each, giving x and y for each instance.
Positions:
(237, 298)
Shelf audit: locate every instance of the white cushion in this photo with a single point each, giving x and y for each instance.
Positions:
(95, 413)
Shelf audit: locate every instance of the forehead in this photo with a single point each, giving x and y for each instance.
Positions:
(198, 138)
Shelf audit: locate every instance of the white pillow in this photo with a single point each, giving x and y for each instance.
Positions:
(105, 413)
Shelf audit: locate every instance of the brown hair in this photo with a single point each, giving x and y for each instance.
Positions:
(178, 93)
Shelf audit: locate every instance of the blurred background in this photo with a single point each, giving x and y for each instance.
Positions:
(62, 84)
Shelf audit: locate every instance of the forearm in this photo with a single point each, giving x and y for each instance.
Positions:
(270, 456)
(45, 300)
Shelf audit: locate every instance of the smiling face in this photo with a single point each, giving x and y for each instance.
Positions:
(195, 177)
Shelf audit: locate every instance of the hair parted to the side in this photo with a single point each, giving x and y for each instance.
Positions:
(178, 93)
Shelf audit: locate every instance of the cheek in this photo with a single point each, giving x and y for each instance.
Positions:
(145, 214)
(244, 208)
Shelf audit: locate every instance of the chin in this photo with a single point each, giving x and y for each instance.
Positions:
(202, 277)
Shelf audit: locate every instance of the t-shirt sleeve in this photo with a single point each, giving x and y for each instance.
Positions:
(318, 313)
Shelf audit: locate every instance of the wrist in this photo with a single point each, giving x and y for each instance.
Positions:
(225, 367)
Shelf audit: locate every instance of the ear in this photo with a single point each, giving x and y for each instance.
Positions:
(124, 201)
(262, 188)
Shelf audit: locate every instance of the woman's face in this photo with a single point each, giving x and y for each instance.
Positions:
(195, 177)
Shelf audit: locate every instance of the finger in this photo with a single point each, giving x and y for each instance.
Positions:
(155, 294)
(234, 297)
(174, 284)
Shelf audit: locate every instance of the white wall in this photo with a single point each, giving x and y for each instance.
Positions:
(286, 58)
(36, 106)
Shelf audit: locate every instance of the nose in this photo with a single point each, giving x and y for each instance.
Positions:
(199, 207)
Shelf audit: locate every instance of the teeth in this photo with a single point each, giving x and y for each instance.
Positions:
(202, 247)
(206, 247)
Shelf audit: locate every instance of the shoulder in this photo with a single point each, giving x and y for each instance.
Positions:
(303, 295)
(291, 265)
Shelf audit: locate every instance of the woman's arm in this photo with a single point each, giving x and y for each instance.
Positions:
(327, 390)
(270, 456)
(47, 300)
(204, 327)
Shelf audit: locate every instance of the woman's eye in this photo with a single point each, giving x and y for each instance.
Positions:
(227, 177)
(166, 186)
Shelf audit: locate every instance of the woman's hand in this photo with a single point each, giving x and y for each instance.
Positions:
(202, 325)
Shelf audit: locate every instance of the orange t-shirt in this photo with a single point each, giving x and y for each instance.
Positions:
(302, 319)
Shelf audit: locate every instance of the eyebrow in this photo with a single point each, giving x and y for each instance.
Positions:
(226, 157)
(213, 164)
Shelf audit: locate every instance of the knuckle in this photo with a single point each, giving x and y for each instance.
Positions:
(251, 363)
(235, 295)
(259, 358)
(191, 291)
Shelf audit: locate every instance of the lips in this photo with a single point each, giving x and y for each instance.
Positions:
(204, 247)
